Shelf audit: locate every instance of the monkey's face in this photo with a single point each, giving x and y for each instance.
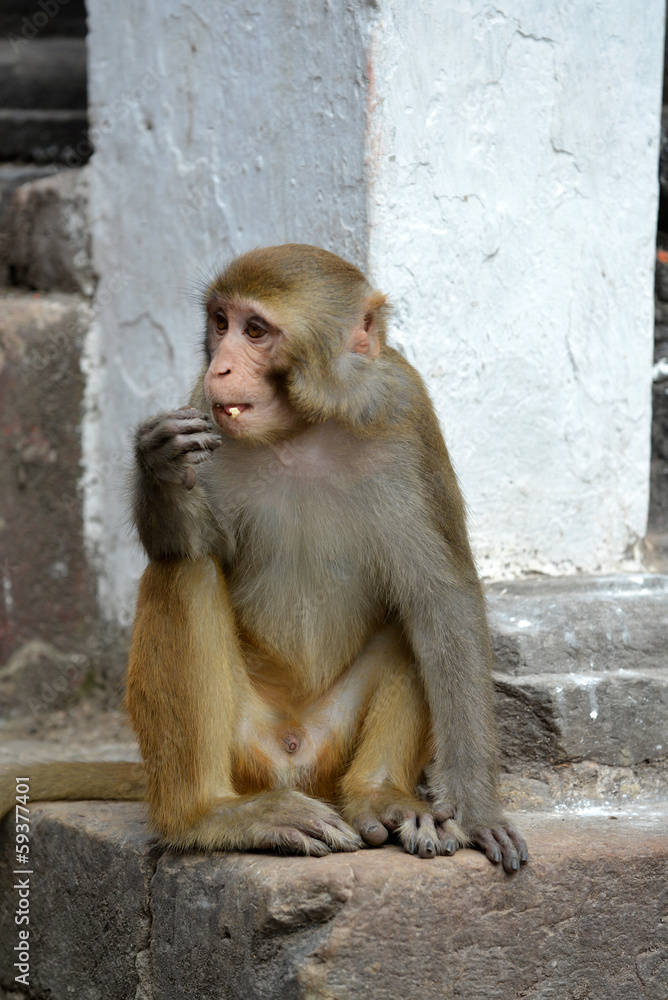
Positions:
(244, 348)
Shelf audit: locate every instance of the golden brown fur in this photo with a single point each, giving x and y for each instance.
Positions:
(310, 632)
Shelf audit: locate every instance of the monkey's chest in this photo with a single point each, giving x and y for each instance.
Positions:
(299, 588)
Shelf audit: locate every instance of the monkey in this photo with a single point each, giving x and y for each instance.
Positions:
(310, 639)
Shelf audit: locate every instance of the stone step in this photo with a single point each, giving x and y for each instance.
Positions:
(44, 234)
(45, 136)
(49, 73)
(113, 917)
(24, 20)
(582, 668)
(12, 176)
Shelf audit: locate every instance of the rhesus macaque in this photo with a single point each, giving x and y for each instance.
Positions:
(310, 635)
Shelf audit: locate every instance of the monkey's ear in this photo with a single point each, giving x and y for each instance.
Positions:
(366, 338)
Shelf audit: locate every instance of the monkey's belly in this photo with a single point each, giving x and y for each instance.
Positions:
(301, 624)
(285, 743)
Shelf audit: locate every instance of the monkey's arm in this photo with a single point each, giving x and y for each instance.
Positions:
(444, 620)
(432, 582)
(170, 509)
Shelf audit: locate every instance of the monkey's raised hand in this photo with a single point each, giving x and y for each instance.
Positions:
(168, 445)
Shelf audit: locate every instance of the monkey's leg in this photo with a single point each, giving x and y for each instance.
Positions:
(186, 692)
(378, 791)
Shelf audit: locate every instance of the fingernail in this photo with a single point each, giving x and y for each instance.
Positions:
(514, 864)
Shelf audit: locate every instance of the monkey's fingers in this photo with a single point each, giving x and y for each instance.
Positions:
(191, 411)
(154, 433)
(194, 457)
(519, 842)
(442, 811)
(187, 444)
(310, 834)
(189, 478)
(498, 847)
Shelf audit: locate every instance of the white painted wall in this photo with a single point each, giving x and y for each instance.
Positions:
(494, 171)
(513, 196)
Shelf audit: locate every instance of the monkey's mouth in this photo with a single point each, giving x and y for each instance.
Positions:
(232, 410)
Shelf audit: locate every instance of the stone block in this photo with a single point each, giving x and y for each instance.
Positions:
(11, 177)
(582, 668)
(615, 718)
(89, 914)
(45, 136)
(580, 624)
(49, 241)
(23, 21)
(49, 591)
(113, 921)
(50, 73)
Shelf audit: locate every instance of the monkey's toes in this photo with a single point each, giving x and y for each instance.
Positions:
(288, 841)
(336, 834)
(373, 832)
(417, 835)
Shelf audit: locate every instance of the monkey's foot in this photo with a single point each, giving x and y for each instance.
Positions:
(416, 825)
(286, 821)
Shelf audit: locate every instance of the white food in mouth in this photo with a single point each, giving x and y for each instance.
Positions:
(234, 412)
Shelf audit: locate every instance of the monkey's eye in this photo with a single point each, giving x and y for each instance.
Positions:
(255, 331)
(221, 322)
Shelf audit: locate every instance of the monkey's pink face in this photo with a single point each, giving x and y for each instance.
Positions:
(244, 346)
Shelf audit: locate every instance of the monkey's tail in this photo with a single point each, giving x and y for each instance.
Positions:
(73, 781)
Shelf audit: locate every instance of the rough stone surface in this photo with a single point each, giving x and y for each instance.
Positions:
(48, 592)
(585, 624)
(111, 920)
(88, 905)
(489, 161)
(613, 719)
(49, 235)
(581, 668)
(39, 677)
(11, 177)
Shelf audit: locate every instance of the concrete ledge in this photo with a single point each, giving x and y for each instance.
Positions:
(112, 917)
